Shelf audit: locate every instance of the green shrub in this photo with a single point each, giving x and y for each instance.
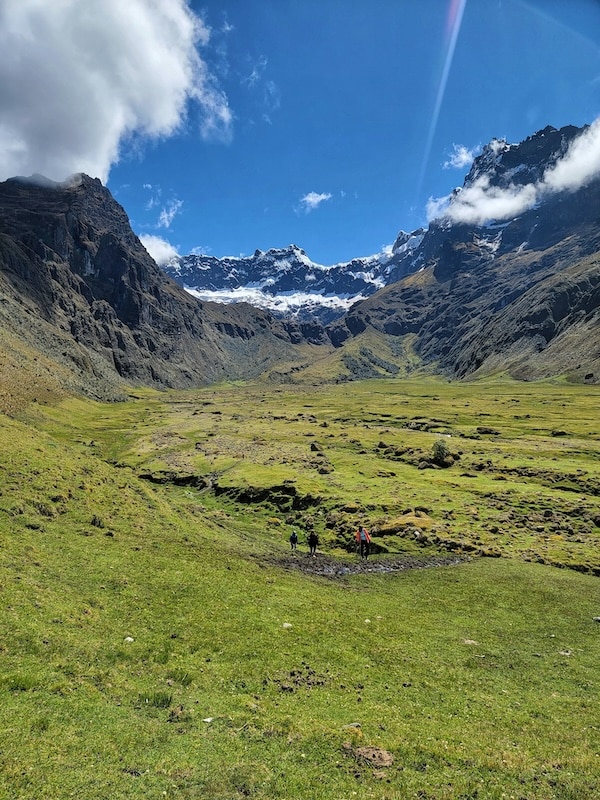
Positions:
(440, 452)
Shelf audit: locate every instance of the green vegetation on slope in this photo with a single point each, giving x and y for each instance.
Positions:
(151, 646)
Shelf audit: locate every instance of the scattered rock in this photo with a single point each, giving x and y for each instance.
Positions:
(374, 755)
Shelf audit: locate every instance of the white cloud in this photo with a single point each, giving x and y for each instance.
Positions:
(580, 165)
(265, 92)
(460, 157)
(169, 212)
(256, 73)
(160, 249)
(155, 196)
(481, 201)
(78, 79)
(313, 200)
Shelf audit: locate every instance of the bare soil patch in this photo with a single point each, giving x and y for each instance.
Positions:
(332, 567)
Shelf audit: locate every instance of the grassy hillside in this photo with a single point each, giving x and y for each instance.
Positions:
(155, 640)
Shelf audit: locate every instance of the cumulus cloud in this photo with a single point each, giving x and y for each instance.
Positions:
(160, 249)
(580, 165)
(460, 157)
(481, 201)
(78, 79)
(313, 200)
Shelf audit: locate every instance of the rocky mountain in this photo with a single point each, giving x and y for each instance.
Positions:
(78, 287)
(518, 294)
(288, 284)
(83, 307)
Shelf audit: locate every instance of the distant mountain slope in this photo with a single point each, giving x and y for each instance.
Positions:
(77, 285)
(522, 295)
(83, 307)
(287, 283)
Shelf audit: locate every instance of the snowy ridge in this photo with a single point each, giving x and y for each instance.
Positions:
(287, 282)
(486, 213)
(286, 304)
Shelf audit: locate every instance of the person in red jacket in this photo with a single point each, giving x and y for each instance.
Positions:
(364, 540)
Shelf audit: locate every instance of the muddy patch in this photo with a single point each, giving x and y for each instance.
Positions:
(331, 567)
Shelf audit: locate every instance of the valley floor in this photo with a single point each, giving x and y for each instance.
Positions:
(157, 638)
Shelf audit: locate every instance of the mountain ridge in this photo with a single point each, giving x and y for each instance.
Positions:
(77, 282)
(519, 294)
(286, 282)
(503, 295)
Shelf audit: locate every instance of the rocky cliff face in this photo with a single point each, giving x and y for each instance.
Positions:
(521, 295)
(76, 282)
(288, 284)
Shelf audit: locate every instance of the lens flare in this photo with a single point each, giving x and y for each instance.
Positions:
(454, 19)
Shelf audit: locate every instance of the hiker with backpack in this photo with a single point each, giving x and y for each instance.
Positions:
(363, 540)
(294, 540)
(313, 541)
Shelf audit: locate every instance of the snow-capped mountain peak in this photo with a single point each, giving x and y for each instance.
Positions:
(496, 209)
(287, 282)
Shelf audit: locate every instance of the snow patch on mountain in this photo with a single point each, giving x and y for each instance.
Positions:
(504, 182)
(285, 304)
(287, 282)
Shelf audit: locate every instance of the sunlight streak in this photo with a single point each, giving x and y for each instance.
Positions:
(454, 18)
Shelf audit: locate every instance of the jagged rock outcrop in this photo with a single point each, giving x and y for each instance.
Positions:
(521, 295)
(288, 284)
(77, 284)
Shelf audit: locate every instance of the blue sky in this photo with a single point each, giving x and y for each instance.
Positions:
(244, 124)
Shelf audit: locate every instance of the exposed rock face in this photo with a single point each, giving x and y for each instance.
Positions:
(76, 282)
(522, 296)
(290, 285)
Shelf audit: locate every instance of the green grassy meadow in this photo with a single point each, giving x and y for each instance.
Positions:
(155, 640)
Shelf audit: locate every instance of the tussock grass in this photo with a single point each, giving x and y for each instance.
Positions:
(149, 649)
(41, 384)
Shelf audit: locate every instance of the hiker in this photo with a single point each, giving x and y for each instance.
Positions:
(294, 540)
(364, 540)
(313, 541)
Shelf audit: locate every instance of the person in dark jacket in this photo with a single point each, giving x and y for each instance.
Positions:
(313, 541)
(294, 540)
(364, 540)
